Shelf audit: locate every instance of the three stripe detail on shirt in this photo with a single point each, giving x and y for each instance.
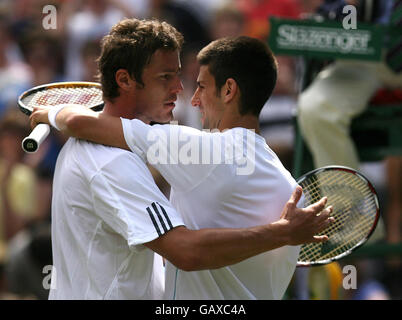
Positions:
(158, 214)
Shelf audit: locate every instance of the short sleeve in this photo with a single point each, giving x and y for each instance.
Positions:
(126, 197)
(183, 155)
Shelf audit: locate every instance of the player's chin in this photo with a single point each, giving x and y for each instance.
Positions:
(165, 118)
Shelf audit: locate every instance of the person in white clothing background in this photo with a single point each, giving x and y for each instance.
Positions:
(245, 195)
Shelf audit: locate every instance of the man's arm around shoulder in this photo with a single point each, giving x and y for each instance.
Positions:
(192, 250)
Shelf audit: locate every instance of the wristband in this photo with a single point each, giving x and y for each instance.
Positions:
(52, 114)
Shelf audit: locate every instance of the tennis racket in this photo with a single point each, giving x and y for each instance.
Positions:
(88, 94)
(355, 209)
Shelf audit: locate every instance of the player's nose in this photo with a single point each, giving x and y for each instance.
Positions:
(195, 100)
(178, 87)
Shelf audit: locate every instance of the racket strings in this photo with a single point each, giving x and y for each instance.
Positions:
(340, 222)
(335, 197)
(342, 237)
(342, 240)
(355, 210)
(83, 95)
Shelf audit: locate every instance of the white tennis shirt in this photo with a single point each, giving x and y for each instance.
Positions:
(105, 206)
(221, 180)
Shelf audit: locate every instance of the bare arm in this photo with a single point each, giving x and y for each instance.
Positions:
(207, 248)
(192, 250)
(83, 123)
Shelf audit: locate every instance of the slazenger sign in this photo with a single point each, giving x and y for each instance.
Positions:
(326, 40)
(312, 38)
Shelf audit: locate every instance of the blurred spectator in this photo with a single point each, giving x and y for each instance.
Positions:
(227, 21)
(257, 13)
(205, 8)
(370, 284)
(90, 22)
(89, 53)
(341, 91)
(26, 15)
(17, 181)
(182, 18)
(42, 52)
(138, 8)
(372, 290)
(309, 7)
(29, 252)
(15, 75)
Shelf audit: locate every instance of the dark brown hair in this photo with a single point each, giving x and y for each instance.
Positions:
(130, 45)
(249, 62)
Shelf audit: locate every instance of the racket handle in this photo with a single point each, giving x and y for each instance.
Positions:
(31, 143)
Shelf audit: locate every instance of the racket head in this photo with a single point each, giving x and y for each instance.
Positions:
(355, 210)
(84, 93)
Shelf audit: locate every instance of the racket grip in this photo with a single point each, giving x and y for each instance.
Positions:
(31, 143)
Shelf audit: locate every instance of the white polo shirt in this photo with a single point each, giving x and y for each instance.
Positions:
(241, 183)
(105, 206)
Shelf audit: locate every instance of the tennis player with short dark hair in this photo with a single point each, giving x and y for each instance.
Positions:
(107, 212)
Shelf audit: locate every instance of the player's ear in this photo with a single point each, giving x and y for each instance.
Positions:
(124, 80)
(229, 90)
